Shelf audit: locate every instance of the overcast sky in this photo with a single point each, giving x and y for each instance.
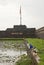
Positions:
(32, 13)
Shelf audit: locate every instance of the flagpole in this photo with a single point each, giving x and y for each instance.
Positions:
(20, 17)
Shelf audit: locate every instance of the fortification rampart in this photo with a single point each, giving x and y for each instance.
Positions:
(40, 33)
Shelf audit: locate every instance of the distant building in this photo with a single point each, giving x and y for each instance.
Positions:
(18, 31)
(21, 31)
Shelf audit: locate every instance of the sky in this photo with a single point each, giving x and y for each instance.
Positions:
(32, 13)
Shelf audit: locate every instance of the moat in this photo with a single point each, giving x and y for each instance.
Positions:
(9, 54)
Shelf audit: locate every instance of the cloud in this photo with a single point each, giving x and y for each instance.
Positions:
(32, 12)
(38, 8)
(3, 2)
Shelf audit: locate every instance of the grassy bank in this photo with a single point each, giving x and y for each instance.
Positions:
(24, 60)
(10, 39)
(39, 44)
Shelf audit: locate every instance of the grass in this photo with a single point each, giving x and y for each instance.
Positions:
(10, 39)
(24, 60)
(39, 44)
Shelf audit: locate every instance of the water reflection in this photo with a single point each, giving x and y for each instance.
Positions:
(8, 56)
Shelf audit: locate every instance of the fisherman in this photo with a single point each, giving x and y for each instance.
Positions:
(34, 48)
(31, 46)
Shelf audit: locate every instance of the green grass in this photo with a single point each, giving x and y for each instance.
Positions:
(11, 39)
(39, 44)
(24, 60)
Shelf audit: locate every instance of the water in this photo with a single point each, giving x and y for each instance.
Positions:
(8, 53)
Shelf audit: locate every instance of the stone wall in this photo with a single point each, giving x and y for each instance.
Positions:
(19, 31)
(40, 33)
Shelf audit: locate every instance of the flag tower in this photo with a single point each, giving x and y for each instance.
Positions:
(20, 16)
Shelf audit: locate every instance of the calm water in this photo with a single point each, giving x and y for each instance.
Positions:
(8, 53)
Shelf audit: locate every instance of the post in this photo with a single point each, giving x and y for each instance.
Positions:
(20, 17)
